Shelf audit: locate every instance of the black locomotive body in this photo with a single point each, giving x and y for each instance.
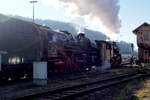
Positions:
(25, 42)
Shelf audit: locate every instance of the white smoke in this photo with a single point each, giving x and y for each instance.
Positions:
(95, 12)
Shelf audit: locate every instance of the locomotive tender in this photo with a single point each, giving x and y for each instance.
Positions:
(25, 42)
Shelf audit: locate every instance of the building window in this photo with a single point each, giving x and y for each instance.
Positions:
(145, 36)
(15, 60)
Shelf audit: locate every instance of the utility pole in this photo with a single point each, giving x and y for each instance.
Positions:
(33, 2)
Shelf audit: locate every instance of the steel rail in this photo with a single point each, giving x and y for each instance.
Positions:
(90, 89)
(70, 88)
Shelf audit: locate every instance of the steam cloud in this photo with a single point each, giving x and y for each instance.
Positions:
(106, 11)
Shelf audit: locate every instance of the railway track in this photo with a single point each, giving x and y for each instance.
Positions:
(80, 89)
(75, 77)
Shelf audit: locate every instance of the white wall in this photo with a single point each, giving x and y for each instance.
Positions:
(40, 70)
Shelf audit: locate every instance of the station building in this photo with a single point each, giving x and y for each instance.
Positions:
(143, 41)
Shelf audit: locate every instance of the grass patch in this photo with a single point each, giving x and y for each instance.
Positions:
(127, 92)
(142, 93)
(132, 90)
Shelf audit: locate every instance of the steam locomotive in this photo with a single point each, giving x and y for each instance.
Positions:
(24, 43)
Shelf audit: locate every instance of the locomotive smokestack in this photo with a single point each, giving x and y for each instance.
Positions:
(80, 29)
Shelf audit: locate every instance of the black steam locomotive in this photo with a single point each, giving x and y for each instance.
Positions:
(25, 42)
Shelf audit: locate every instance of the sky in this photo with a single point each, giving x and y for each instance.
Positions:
(132, 14)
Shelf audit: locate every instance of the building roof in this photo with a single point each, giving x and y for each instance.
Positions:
(144, 24)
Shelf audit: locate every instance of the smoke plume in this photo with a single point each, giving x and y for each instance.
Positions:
(106, 11)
